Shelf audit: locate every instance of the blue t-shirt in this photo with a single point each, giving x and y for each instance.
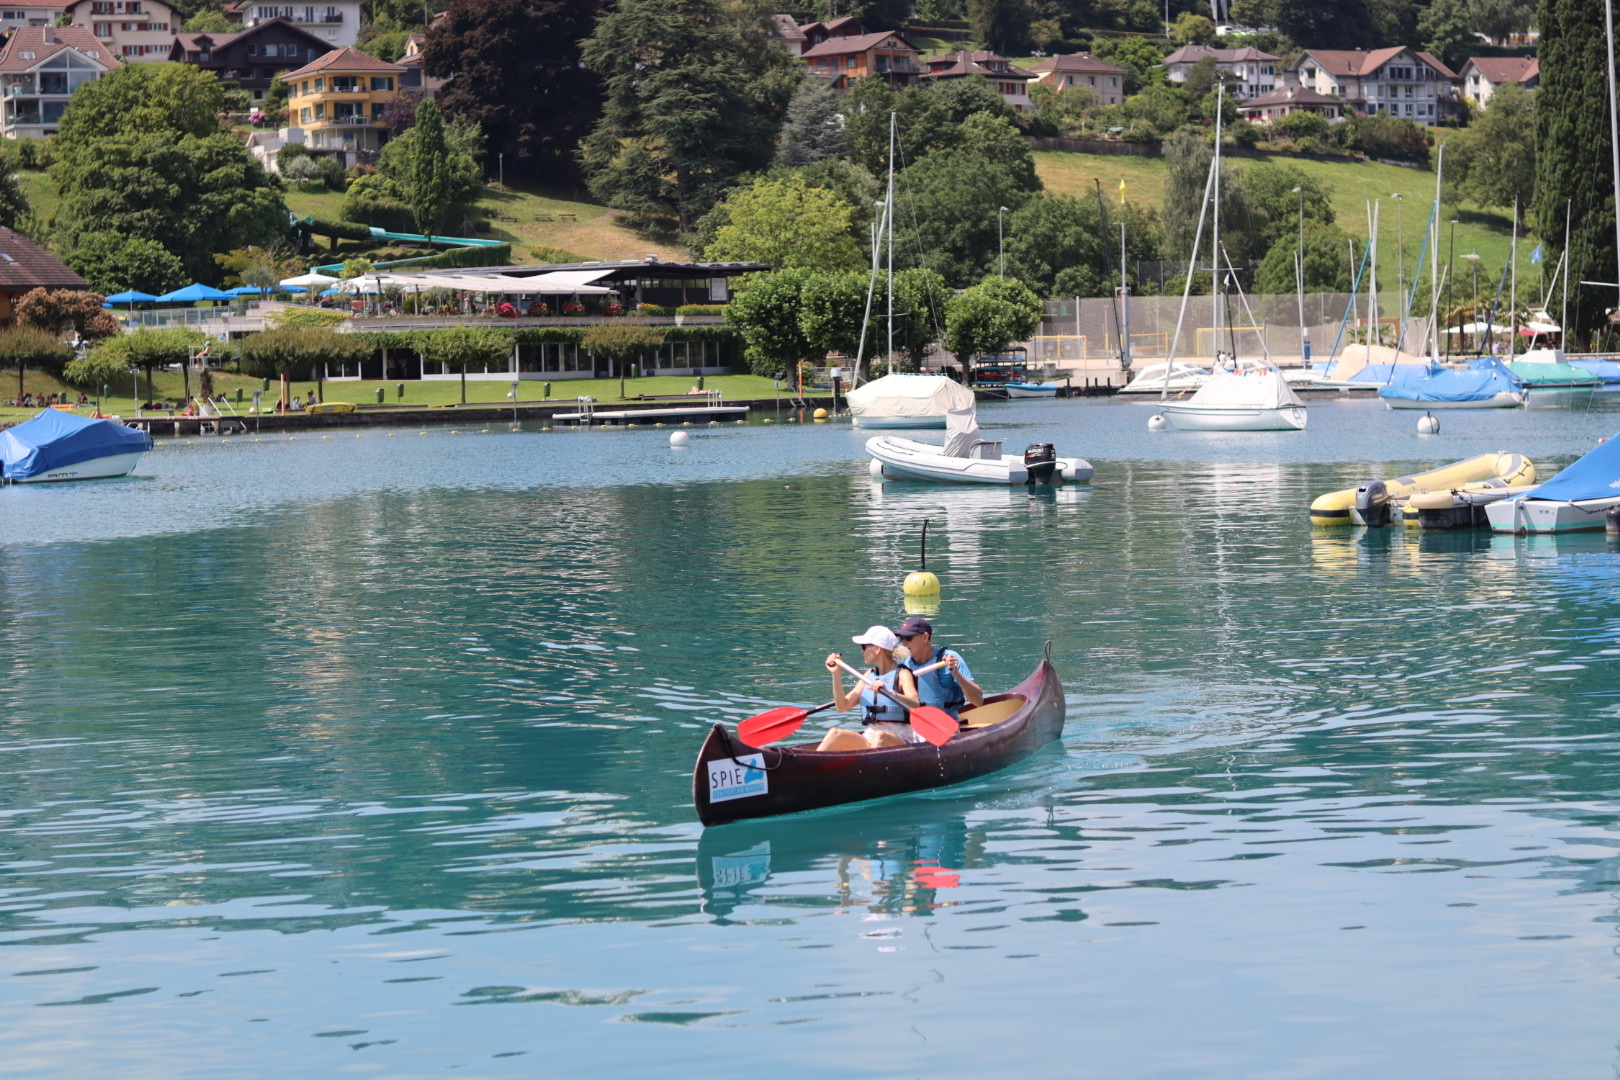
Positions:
(940, 688)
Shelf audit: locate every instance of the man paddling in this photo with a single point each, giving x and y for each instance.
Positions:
(950, 687)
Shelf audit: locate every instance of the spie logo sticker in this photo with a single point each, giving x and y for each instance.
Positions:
(737, 778)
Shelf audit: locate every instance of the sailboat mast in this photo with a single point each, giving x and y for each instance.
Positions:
(1614, 128)
(1215, 228)
(890, 289)
(1563, 311)
(1513, 290)
(1434, 257)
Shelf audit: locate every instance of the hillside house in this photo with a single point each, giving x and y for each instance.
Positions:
(336, 22)
(36, 13)
(1288, 99)
(1249, 72)
(1005, 77)
(135, 30)
(40, 69)
(840, 59)
(335, 105)
(1105, 80)
(1481, 75)
(25, 266)
(250, 58)
(1398, 81)
(415, 76)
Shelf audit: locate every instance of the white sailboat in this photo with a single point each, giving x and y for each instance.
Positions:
(1230, 399)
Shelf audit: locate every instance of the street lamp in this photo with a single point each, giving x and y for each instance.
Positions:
(1299, 280)
(1451, 283)
(1473, 257)
(1001, 249)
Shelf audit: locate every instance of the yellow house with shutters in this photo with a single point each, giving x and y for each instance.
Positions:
(335, 104)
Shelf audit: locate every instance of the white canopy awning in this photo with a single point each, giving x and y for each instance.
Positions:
(311, 278)
(566, 280)
(492, 283)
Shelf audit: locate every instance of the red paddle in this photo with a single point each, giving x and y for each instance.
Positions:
(775, 724)
(932, 723)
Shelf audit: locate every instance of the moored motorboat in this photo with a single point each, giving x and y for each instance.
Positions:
(1031, 389)
(57, 445)
(1460, 507)
(1379, 502)
(967, 459)
(1574, 500)
(736, 782)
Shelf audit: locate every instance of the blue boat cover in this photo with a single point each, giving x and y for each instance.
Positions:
(1607, 370)
(55, 439)
(1480, 381)
(1389, 373)
(1594, 475)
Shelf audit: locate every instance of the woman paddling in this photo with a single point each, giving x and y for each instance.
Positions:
(885, 720)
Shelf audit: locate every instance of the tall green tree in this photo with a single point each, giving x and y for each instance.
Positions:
(1446, 32)
(1574, 176)
(812, 130)
(1493, 161)
(517, 74)
(112, 263)
(149, 349)
(1327, 262)
(140, 154)
(1002, 26)
(765, 310)
(952, 214)
(786, 223)
(678, 126)
(1188, 155)
(462, 347)
(1277, 207)
(24, 347)
(989, 317)
(427, 170)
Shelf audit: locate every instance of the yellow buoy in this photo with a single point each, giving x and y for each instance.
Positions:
(921, 583)
(820, 414)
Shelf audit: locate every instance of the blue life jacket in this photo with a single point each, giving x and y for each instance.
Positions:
(950, 693)
(881, 709)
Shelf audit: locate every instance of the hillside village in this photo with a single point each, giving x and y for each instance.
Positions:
(522, 159)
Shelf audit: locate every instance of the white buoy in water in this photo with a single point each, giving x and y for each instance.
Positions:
(1428, 424)
(1157, 422)
(679, 438)
(874, 469)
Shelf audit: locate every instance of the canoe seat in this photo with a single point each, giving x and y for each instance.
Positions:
(991, 712)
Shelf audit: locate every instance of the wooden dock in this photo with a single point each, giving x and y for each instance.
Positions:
(693, 414)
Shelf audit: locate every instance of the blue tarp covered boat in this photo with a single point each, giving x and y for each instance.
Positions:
(57, 445)
(1574, 500)
(1484, 384)
(1388, 373)
(1607, 370)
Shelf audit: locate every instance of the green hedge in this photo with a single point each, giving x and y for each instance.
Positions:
(701, 309)
(455, 258)
(341, 230)
(660, 310)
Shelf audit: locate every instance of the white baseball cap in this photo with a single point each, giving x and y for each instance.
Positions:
(881, 636)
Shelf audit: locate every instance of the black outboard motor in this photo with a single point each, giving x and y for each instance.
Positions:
(1040, 462)
(1372, 505)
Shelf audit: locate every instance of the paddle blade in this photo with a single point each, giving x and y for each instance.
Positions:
(767, 727)
(935, 725)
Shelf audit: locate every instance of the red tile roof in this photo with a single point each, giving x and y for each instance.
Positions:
(46, 41)
(957, 64)
(1289, 95)
(1077, 62)
(343, 61)
(858, 43)
(1191, 54)
(1500, 69)
(1362, 62)
(25, 265)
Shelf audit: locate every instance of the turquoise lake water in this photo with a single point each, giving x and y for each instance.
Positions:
(370, 755)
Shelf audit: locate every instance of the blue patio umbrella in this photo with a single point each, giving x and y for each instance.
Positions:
(249, 290)
(291, 288)
(193, 293)
(130, 297)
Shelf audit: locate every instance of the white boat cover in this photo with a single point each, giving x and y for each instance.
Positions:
(1246, 390)
(961, 432)
(909, 395)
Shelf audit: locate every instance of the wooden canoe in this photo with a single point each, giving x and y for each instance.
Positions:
(736, 782)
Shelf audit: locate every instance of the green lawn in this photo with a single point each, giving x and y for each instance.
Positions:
(1352, 183)
(417, 394)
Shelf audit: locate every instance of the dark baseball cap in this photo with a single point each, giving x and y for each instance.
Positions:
(916, 624)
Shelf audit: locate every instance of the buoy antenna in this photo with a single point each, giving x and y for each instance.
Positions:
(922, 556)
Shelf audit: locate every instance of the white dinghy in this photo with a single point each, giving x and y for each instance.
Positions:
(967, 459)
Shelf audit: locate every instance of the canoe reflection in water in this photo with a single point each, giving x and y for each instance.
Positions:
(894, 864)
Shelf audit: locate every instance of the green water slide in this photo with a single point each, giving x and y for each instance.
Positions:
(348, 230)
